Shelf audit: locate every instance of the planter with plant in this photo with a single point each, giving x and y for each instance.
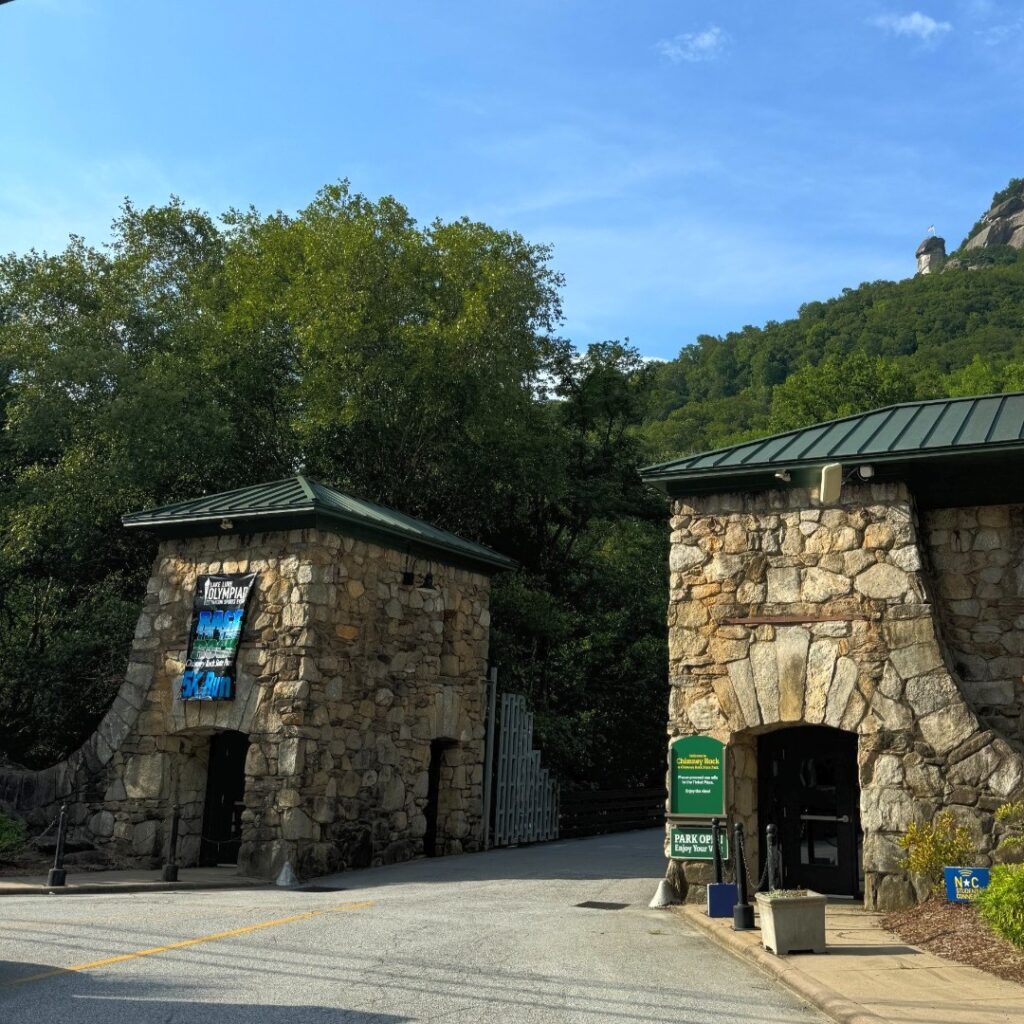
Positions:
(792, 920)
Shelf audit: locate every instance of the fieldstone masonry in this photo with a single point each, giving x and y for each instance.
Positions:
(345, 676)
(907, 635)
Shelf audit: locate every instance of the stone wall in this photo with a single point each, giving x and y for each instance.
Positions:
(861, 649)
(977, 555)
(345, 676)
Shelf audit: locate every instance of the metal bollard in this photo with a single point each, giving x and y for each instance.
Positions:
(170, 872)
(57, 875)
(742, 912)
(772, 837)
(716, 849)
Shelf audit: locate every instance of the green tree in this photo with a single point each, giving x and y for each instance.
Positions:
(407, 359)
(838, 387)
(108, 406)
(417, 366)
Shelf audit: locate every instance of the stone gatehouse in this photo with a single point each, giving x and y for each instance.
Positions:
(862, 656)
(356, 732)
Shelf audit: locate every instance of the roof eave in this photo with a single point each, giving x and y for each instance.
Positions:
(663, 480)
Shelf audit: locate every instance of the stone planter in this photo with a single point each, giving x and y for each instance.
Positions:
(792, 920)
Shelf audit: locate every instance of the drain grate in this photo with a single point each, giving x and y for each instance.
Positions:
(320, 888)
(598, 905)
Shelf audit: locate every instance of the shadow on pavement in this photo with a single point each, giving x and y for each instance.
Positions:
(31, 993)
(622, 855)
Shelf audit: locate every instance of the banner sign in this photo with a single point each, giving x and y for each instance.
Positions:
(964, 884)
(218, 614)
(694, 843)
(697, 777)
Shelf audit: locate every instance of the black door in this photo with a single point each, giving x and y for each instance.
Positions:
(807, 786)
(225, 794)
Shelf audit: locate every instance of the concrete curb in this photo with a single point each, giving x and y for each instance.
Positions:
(838, 1007)
(116, 888)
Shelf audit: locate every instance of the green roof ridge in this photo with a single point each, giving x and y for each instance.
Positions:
(300, 501)
(903, 432)
(304, 484)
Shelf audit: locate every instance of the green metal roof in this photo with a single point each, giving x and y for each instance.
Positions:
(899, 440)
(297, 502)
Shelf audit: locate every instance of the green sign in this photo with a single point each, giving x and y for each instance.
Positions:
(693, 842)
(698, 777)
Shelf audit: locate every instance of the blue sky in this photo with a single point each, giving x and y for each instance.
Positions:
(696, 165)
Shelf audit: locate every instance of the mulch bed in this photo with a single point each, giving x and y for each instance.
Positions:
(955, 931)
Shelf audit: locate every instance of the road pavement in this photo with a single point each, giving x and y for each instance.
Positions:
(491, 937)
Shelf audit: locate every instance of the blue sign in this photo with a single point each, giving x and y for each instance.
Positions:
(963, 884)
(217, 620)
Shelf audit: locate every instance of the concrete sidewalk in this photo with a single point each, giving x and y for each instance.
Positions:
(869, 977)
(82, 883)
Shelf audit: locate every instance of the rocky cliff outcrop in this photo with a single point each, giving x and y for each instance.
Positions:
(931, 255)
(1002, 225)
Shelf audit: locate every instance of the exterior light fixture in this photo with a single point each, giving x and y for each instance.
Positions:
(831, 483)
(408, 576)
(784, 476)
(866, 472)
(226, 524)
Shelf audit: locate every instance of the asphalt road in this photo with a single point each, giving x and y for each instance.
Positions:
(493, 937)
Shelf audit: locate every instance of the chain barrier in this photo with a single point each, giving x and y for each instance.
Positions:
(70, 798)
(46, 830)
(764, 874)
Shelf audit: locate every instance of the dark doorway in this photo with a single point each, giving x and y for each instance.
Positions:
(225, 794)
(432, 812)
(807, 786)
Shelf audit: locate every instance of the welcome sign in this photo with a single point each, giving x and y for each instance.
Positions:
(218, 615)
(697, 777)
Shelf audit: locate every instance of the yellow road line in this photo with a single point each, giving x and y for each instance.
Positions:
(154, 950)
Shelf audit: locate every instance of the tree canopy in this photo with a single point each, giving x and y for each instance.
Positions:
(419, 366)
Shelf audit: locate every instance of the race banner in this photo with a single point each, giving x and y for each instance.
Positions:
(218, 615)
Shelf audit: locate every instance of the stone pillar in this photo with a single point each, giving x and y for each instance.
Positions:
(782, 613)
(344, 676)
(931, 255)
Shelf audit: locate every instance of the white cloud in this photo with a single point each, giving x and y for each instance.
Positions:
(996, 35)
(694, 46)
(916, 25)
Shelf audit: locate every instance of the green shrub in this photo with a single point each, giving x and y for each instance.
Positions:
(929, 848)
(1010, 819)
(1002, 903)
(12, 835)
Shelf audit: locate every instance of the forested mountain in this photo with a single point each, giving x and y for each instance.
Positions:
(419, 367)
(958, 332)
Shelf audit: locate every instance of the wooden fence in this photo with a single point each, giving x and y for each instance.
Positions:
(593, 812)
